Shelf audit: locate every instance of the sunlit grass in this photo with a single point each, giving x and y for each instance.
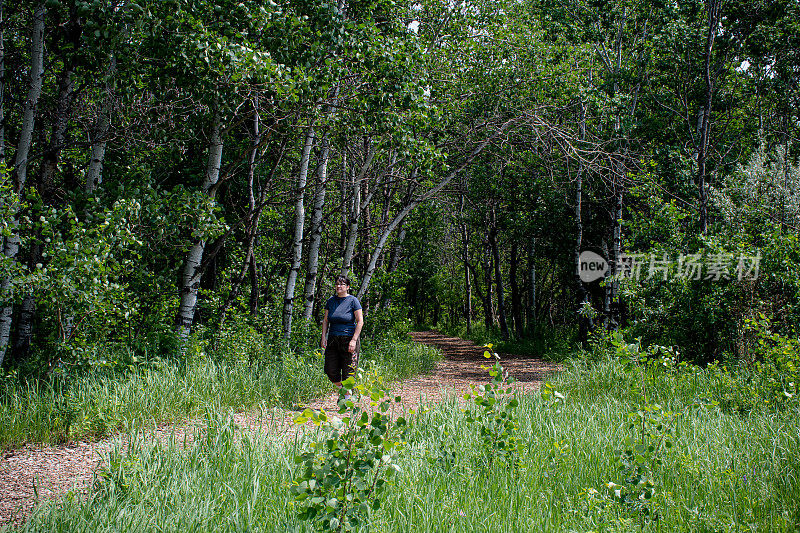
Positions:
(725, 471)
(97, 402)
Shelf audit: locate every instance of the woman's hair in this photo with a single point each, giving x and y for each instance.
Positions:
(342, 279)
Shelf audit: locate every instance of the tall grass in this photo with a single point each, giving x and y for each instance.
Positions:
(398, 360)
(239, 372)
(96, 403)
(224, 481)
(725, 472)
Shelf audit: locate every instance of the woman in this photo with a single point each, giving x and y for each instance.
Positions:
(341, 328)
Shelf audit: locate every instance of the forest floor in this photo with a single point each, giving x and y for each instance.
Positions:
(35, 472)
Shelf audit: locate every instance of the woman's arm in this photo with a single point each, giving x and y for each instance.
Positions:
(324, 341)
(359, 316)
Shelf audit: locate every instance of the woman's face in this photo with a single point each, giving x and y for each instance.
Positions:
(341, 289)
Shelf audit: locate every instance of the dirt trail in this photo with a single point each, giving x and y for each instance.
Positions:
(57, 470)
(463, 360)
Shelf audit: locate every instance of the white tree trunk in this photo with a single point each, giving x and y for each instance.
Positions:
(355, 213)
(352, 230)
(615, 260)
(585, 324)
(190, 278)
(316, 229)
(713, 8)
(297, 240)
(532, 289)
(394, 261)
(25, 325)
(20, 168)
(251, 226)
(31, 102)
(47, 170)
(66, 93)
(2, 88)
(94, 172)
(465, 260)
(362, 290)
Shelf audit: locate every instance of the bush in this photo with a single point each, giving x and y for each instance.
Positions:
(345, 471)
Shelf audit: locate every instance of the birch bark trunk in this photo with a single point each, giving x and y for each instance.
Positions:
(516, 296)
(255, 286)
(251, 226)
(394, 261)
(20, 167)
(465, 259)
(297, 240)
(355, 213)
(713, 7)
(27, 310)
(532, 288)
(352, 227)
(584, 320)
(66, 94)
(94, 172)
(498, 277)
(486, 266)
(190, 278)
(2, 87)
(616, 260)
(316, 229)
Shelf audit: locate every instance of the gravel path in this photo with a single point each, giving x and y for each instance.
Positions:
(50, 472)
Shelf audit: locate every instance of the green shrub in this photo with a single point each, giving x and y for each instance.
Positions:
(494, 413)
(777, 364)
(345, 471)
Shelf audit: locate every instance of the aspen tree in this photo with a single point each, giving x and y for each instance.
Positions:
(20, 166)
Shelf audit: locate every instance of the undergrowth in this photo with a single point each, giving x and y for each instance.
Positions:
(629, 442)
(238, 367)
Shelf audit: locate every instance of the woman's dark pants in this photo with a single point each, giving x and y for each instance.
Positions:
(339, 362)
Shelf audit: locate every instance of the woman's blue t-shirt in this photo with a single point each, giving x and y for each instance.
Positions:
(341, 315)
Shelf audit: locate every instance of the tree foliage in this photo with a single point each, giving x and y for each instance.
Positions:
(454, 158)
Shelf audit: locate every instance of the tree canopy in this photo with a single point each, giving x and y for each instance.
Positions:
(170, 165)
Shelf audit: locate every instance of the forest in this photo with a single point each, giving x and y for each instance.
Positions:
(592, 182)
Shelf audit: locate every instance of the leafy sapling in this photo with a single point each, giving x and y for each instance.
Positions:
(554, 399)
(650, 432)
(494, 413)
(343, 474)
